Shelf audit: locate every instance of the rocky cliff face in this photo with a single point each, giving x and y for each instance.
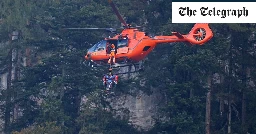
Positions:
(140, 109)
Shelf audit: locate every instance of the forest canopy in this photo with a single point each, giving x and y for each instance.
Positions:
(44, 81)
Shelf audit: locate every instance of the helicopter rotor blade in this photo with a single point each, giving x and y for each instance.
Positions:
(117, 13)
(108, 29)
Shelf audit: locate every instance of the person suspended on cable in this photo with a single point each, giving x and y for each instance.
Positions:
(110, 79)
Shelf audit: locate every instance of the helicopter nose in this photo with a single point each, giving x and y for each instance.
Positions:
(87, 56)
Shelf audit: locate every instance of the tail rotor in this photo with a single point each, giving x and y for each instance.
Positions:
(200, 34)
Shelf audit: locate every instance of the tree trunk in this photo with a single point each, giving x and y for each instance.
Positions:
(16, 78)
(208, 107)
(247, 71)
(230, 86)
(28, 57)
(221, 106)
(7, 114)
(229, 116)
(229, 102)
(191, 93)
(244, 112)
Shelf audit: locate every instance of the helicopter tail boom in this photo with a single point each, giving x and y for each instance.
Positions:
(199, 34)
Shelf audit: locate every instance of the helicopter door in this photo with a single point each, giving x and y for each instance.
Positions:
(122, 46)
(109, 43)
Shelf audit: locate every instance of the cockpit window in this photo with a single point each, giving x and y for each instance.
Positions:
(122, 43)
(101, 46)
(90, 50)
(98, 47)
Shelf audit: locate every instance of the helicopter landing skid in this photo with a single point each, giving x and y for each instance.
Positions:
(119, 67)
(132, 68)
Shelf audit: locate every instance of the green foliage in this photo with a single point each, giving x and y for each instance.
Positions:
(184, 69)
(50, 91)
(184, 110)
(47, 128)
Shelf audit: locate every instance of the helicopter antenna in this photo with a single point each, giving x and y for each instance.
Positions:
(118, 14)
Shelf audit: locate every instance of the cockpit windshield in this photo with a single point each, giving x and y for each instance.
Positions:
(102, 44)
(98, 47)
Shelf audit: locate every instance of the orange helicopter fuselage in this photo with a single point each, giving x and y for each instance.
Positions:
(139, 45)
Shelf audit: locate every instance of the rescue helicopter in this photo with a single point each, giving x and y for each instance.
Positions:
(133, 45)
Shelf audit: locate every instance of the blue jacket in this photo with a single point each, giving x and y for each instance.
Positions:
(112, 78)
